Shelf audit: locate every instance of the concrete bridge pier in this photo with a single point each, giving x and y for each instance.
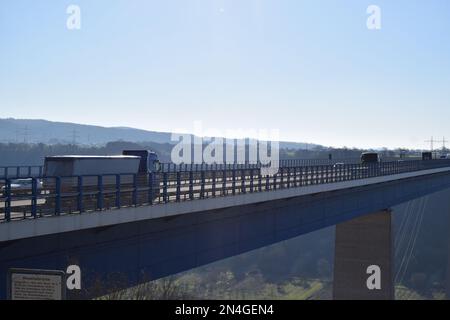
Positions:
(363, 264)
(447, 276)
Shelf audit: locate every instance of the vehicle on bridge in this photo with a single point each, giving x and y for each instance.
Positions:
(427, 155)
(20, 186)
(85, 175)
(368, 166)
(370, 157)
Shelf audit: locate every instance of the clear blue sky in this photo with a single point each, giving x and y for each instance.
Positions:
(308, 68)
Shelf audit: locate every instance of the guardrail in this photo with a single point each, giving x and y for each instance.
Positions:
(172, 167)
(37, 171)
(78, 194)
(17, 172)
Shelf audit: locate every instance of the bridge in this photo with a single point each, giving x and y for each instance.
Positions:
(135, 228)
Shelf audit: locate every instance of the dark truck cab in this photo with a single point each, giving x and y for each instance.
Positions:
(368, 166)
(369, 157)
(427, 155)
(149, 160)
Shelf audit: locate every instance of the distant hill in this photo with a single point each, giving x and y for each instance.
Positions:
(49, 132)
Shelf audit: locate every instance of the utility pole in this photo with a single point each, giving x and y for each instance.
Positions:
(443, 143)
(431, 142)
(74, 136)
(25, 135)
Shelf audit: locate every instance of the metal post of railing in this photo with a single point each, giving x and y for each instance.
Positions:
(321, 170)
(281, 178)
(243, 186)
(17, 172)
(165, 199)
(29, 171)
(224, 182)
(251, 180)
(80, 194)
(300, 176)
(289, 177)
(275, 179)
(8, 200)
(316, 175)
(295, 177)
(267, 183)
(6, 172)
(135, 191)
(214, 181)
(33, 197)
(99, 192)
(202, 183)
(178, 196)
(259, 180)
(150, 187)
(233, 184)
(58, 196)
(191, 185)
(118, 191)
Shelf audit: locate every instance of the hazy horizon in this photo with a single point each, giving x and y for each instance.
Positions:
(312, 143)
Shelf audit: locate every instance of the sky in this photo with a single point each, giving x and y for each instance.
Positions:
(308, 68)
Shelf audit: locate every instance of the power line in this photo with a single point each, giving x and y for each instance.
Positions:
(74, 136)
(443, 143)
(431, 142)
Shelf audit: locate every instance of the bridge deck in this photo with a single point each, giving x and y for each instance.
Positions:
(75, 195)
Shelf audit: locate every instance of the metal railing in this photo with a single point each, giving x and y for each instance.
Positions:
(17, 172)
(77, 194)
(172, 167)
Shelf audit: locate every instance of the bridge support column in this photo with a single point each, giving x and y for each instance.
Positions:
(447, 276)
(363, 264)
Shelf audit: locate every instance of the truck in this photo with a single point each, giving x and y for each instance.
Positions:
(427, 155)
(369, 157)
(111, 173)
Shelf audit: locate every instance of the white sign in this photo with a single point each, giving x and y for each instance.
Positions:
(36, 285)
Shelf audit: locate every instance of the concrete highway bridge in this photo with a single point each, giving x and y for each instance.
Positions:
(143, 227)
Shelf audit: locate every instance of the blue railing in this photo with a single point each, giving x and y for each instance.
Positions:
(77, 194)
(37, 171)
(17, 172)
(172, 167)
